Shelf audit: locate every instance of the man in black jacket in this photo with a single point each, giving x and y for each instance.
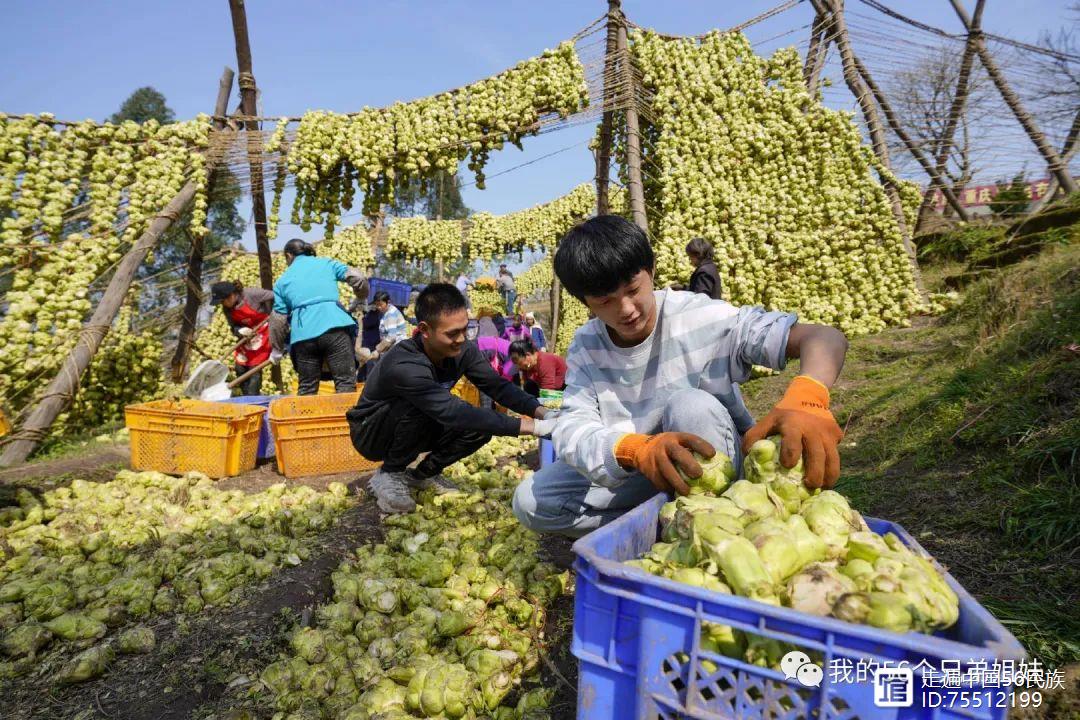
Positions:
(406, 407)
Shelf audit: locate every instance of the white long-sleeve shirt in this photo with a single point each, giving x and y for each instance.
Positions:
(697, 343)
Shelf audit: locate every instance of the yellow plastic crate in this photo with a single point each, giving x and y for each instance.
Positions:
(177, 436)
(467, 392)
(311, 435)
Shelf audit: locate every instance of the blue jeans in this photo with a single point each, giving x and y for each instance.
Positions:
(559, 499)
(509, 298)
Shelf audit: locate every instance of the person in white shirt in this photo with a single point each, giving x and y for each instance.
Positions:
(654, 378)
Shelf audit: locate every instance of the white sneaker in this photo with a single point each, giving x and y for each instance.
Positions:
(391, 491)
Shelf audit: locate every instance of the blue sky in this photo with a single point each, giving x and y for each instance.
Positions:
(81, 59)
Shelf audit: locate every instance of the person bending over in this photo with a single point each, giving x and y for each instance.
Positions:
(245, 310)
(406, 407)
(392, 328)
(655, 376)
(539, 370)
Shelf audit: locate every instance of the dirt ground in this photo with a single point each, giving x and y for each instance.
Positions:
(207, 666)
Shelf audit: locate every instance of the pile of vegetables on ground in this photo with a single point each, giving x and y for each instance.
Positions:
(770, 539)
(81, 562)
(443, 619)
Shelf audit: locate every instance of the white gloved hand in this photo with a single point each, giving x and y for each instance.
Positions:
(544, 428)
(275, 356)
(245, 332)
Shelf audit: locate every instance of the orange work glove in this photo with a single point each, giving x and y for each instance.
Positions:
(660, 457)
(807, 429)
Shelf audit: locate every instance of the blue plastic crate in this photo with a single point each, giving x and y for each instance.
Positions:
(547, 452)
(266, 440)
(399, 291)
(631, 630)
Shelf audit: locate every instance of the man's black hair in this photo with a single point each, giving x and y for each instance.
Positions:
(522, 348)
(223, 289)
(381, 296)
(600, 254)
(437, 299)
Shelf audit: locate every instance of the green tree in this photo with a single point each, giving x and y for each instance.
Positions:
(421, 272)
(168, 265)
(437, 197)
(144, 104)
(1012, 198)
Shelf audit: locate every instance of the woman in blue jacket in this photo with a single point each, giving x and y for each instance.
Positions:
(309, 319)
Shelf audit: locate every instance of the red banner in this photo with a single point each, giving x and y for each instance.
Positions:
(976, 195)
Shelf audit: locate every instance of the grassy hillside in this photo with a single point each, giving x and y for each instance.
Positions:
(964, 428)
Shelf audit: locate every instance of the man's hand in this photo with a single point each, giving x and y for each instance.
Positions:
(807, 429)
(538, 428)
(661, 457)
(276, 355)
(245, 332)
(542, 412)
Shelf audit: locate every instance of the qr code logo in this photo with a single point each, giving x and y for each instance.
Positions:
(894, 687)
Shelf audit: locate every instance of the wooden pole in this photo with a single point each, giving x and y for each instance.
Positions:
(603, 155)
(64, 386)
(838, 29)
(634, 184)
(1068, 150)
(194, 298)
(956, 110)
(1050, 155)
(248, 105)
(815, 53)
(899, 131)
(556, 308)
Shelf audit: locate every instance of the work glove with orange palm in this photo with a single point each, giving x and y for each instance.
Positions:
(807, 429)
(661, 457)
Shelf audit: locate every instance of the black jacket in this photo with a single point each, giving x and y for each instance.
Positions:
(706, 280)
(369, 325)
(407, 373)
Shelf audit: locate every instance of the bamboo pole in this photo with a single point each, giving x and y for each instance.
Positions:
(899, 131)
(556, 308)
(1068, 150)
(248, 105)
(634, 185)
(66, 383)
(194, 298)
(603, 155)
(1050, 155)
(835, 11)
(815, 53)
(956, 109)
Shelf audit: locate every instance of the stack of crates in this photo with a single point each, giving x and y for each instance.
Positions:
(178, 436)
(311, 435)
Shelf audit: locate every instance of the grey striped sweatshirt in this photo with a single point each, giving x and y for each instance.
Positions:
(697, 343)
